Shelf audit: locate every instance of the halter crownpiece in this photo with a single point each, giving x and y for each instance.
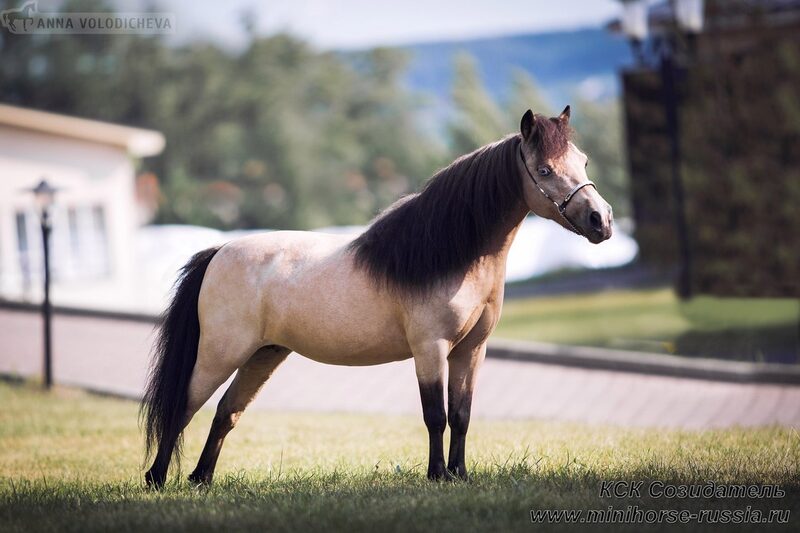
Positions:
(561, 207)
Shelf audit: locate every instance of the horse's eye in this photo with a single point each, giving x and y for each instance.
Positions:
(544, 171)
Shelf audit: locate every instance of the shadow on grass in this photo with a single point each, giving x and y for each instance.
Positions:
(499, 497)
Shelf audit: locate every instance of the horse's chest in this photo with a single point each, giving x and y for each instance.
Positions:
(480, 321)
(454, 315)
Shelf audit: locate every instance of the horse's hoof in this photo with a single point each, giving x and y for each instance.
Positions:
(440, 475)
(199, 480)
(153, 481)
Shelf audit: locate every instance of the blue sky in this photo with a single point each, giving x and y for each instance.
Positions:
(347, 24)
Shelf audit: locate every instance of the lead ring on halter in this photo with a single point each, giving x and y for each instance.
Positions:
(562, 207)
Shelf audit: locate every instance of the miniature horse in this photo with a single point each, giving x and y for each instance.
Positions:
(425, 280)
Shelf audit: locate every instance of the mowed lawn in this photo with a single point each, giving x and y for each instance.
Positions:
(70, 461)
(655, 320)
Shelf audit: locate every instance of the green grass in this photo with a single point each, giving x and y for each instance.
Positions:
(655, 320)
(71, 462)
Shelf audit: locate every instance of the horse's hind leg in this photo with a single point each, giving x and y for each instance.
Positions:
(217, 358)
(248, 381)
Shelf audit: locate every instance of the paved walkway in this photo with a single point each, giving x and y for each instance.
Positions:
(112, 355)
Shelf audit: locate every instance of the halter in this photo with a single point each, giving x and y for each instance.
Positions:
(561, 207)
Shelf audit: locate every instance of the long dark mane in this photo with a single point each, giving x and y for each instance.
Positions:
(443, 229)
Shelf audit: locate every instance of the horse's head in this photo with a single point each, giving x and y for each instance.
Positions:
(555, 184)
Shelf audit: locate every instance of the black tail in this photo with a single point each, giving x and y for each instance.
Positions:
(164, 404)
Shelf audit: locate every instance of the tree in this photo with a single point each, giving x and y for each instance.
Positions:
(478, 119)
(598, 132)
(525, 94)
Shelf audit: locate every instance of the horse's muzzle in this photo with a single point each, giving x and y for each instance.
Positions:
(598, 225)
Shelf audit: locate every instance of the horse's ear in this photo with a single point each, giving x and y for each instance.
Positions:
(564, 116)
(527, 126)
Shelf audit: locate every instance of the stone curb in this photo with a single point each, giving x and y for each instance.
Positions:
(644, 363)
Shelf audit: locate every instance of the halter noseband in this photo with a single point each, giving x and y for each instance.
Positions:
(561, 207)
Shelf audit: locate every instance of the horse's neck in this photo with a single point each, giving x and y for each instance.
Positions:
(506, 233)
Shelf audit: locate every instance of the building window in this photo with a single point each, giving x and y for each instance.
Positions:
(74, 233)
(23, 250)
(100, 239)
(79, 247)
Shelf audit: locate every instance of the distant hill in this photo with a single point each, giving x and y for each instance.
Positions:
(563, 63)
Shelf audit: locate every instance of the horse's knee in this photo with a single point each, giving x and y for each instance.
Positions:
(459, 421)
(435, 420)
(226, 418)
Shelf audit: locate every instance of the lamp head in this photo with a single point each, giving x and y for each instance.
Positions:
(634, 19)
(44, 193)
(689, 15)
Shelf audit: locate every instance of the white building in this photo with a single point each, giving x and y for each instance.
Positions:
(94, 217)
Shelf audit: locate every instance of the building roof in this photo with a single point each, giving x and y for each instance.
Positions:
(136, 141)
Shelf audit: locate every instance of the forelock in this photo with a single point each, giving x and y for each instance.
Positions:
(552, 139)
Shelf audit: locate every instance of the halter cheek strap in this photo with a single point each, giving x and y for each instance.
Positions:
(561, 207)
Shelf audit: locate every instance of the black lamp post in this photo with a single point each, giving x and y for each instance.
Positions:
(688, 17)
(45, 195)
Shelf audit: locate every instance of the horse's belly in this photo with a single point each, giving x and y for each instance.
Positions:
(345, 339)
(363, 357)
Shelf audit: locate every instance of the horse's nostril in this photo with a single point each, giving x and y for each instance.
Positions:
(596, 221)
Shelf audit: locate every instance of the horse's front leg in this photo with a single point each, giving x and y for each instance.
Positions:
(430, 359)
(464, 362)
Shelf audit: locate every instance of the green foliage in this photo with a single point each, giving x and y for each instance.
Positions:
(525, 94)
(479, 120)
(742, 168)
(598, 129)
(651, 190)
